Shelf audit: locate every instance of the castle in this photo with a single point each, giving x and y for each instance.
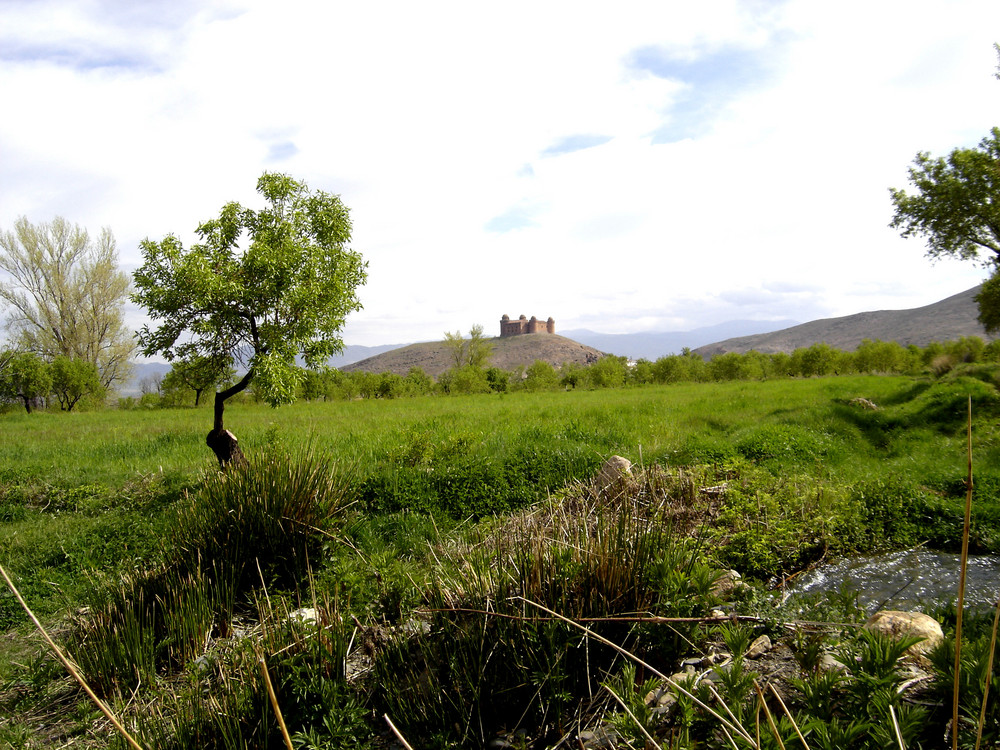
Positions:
(510, 327)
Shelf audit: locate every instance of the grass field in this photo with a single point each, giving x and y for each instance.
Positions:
(99, 502)
(918, 432)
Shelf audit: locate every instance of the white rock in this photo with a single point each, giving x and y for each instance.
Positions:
(898, 624)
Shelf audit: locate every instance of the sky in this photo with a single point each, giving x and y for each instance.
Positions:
(661, 166)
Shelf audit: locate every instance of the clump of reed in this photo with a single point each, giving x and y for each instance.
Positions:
(492, 654)
(205, 615)
(262, 520)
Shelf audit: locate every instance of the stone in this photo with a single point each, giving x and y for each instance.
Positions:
(759, 647)
(728, 583)
(829, 663)
(864, 404)
(613, 472)
(304, 616)
(897, 624)
(602, 737)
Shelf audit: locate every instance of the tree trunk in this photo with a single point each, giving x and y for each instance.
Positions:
(226, 448)
(27, 404)
(222, 442)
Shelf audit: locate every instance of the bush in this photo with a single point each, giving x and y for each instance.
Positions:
(270, 512)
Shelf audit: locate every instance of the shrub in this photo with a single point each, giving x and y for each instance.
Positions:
(270, 513)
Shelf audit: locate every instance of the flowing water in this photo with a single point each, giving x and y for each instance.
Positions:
(911, 579)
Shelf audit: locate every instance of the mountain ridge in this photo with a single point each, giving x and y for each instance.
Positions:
(946, 320)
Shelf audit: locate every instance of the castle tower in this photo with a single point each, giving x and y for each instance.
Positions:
(550, 325)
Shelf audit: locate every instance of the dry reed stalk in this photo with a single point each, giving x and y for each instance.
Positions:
(631, 715)
(961, 583)
(396, 732)
(274, 704)
(791, 718)
(770, 718)
(735, 727)
(70, 666)
(895, 726)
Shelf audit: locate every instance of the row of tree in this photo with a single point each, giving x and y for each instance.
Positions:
(28, 378)
(871, 357)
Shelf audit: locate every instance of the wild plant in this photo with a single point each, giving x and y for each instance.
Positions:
(736, 686)
(737, 637)
(634, 719)
(491, 660)
(820, 693)
(263, 519)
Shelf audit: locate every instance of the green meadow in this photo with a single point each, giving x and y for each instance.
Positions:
(428, 533)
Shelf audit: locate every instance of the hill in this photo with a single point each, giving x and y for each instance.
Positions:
(947, 320)
(508, 353)
(652, 345)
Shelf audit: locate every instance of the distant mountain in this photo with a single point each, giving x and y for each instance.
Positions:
(355, 353)
(508, 353)
(653, 345)
(143, 370)
(947, 320)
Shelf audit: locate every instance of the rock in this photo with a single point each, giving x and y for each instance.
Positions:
(613, 472)
(602, 737)
(864, 404)
(897, 624)
(661, 700)
(304, 616)
(727, 584)
(759, 647)
(829, 663)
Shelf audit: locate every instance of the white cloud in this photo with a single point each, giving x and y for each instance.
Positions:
(647, 165)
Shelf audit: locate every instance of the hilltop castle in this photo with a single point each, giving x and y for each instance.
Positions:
(510, 327)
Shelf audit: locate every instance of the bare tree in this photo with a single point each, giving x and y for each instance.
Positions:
(66, 295)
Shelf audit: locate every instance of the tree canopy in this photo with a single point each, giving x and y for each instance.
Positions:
(956, 206)
(956, 209)
(66, 295)
(261, 288)
(25, 376)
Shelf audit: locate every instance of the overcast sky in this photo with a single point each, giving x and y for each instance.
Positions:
(620, 167)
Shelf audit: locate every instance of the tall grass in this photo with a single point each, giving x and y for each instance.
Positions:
(489, 661)
(251, 527)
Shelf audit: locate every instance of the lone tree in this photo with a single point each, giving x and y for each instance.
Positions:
(956, 207)
(473, 352)
(261, 288)
(66, 295)
(25, 376)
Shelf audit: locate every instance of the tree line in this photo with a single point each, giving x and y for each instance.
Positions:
(464, 378)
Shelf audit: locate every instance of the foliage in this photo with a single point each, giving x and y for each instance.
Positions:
(473, 352)
(74, 379)
(286, 293)
(197, 374)
(540, 376)
(67, 295)
(764, 476)
(465, 380)
(956, 203)
(25, 376)
(956, 208)
(262, 519)
(491, 661)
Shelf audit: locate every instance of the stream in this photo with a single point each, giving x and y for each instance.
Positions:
(914, 579)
